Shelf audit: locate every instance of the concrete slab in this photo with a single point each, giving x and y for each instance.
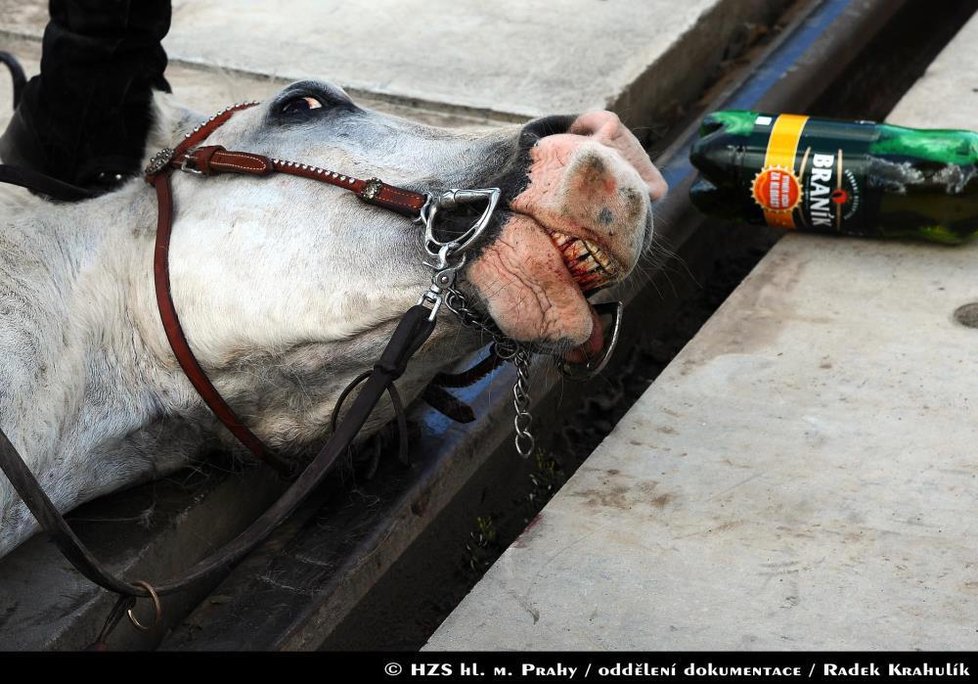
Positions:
(207, 90)
(503, 60)
(946, 96)
(155, 530)
(802, 476)
(413, 75)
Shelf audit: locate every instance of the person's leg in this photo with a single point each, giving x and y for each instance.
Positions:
(85, 118)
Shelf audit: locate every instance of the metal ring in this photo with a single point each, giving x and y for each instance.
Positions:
(590, 369)
(525, 444)
(523, 422)
(157, 606)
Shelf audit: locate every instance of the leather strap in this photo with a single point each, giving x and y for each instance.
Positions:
(443, 401)
(373, 191)
(45, 185)
(159, 177)
(411, 332)
(47, 515)
(213, 160)
(487, 365)
(178, 340)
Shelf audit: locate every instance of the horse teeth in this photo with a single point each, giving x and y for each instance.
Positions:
(600, 257)
(588, 264)
(560, 239)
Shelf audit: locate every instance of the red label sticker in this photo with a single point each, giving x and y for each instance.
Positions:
(777, 189)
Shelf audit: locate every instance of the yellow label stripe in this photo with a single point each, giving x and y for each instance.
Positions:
(782, 148)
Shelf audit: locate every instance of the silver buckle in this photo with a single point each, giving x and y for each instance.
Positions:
(187, 169)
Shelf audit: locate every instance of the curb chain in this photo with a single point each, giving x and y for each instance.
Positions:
(508, 350)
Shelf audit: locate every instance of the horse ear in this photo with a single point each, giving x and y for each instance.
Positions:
(170, 121)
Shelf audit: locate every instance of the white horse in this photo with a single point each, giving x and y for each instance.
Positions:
(286, 288)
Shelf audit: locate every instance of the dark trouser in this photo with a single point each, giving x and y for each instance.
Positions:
(86, 117)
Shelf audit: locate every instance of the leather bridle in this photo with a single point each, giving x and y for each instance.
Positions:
(212, 160)
(446, 257)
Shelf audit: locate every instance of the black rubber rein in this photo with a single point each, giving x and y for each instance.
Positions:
(411, 332)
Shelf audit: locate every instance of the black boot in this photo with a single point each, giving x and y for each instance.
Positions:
(85, 118)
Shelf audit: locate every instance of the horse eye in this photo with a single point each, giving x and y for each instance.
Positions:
(301, 104)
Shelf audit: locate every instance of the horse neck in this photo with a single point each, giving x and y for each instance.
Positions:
(77, 386)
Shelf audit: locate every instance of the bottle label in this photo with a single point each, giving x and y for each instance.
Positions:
(813, 173)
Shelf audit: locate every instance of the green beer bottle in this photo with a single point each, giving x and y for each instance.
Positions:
(845, 177)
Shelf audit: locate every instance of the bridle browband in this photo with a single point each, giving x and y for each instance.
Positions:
(445, 258)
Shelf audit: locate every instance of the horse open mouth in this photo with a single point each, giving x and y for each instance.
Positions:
(592, 269)
(579, 225)
(589, 265)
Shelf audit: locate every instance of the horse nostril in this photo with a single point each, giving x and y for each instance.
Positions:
(603, 125)
(547, 125)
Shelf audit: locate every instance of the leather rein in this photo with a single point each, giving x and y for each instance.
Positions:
(446, 257)
(213, 160)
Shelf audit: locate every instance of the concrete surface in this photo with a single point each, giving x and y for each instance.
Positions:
(447, 63)
(506, 60)
(207, 90)
(802, 476)
(156, 530)
(946, 96)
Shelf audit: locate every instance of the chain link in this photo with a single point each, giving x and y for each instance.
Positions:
(508, 350)
(442, 291)
(521, 404)
(456, 303)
